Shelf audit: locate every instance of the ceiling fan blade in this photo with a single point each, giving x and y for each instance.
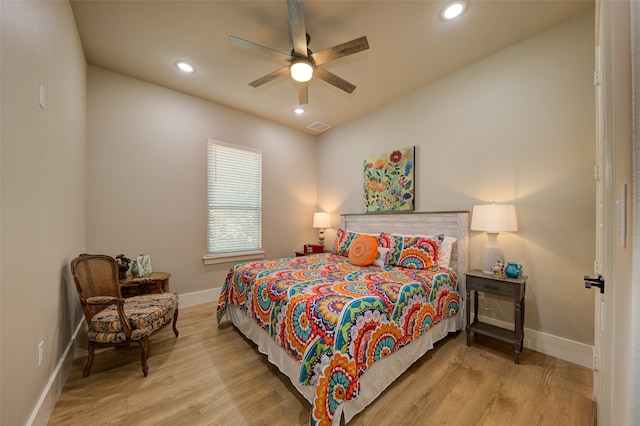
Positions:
(257, 47)
(296, 22)
(271, 76)
(333, 79)
(343, 49)
(303, 93)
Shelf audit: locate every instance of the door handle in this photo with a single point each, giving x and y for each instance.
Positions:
(596, 282)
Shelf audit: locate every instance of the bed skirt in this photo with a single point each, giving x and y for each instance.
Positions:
(376, 379)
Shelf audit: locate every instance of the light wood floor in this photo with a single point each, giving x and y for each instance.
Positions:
(212, 375)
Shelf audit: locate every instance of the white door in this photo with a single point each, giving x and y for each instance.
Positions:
(597, 267)
(613, 233)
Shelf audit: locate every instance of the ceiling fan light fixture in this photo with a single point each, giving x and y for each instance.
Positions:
(301, 70)
(453, 10)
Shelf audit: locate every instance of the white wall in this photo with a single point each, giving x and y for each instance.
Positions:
(516, 127)
(43, 197)
(147, 177)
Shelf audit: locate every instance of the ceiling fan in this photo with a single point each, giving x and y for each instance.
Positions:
(303, 63)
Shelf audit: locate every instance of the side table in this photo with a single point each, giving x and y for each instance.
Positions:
(304, 253)
(509, 287)
(135, 286)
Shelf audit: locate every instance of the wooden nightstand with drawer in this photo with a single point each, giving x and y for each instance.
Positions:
(307, 253)
(514, 288)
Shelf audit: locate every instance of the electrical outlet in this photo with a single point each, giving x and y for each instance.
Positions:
(40, 352)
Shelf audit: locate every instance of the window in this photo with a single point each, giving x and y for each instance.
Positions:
(234, 203)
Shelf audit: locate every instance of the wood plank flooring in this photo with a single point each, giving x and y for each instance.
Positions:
(212, 375)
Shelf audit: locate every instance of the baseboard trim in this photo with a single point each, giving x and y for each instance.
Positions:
(548, 344)
(47, 401)
(199, 297)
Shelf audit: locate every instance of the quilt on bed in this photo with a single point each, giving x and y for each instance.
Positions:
(337, 319)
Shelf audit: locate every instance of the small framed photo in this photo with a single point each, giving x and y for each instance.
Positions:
(144, 265)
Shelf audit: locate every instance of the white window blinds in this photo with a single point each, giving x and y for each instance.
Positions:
(234, 220)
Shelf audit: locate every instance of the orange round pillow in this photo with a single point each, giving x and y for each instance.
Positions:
(363, 250)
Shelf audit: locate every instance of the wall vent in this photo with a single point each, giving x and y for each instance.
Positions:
(318, 126)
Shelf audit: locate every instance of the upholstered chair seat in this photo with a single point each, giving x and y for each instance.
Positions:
(146, 314)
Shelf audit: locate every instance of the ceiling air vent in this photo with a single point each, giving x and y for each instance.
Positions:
(318, 126)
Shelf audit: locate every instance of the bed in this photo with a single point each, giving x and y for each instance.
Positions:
(342, 333)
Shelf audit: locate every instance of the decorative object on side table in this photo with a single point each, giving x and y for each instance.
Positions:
(313, 248)
(492, 219)
(144, 265)
(135, 270)
(498, 270)
(513, 270)
(123, 266)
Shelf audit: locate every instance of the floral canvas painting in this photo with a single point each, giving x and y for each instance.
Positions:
(388, 181)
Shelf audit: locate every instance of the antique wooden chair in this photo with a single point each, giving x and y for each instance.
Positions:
(113, 320)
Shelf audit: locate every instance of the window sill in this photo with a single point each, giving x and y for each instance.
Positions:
(240, 256)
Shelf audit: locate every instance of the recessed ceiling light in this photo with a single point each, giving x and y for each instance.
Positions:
(183, 66)
(453, 10)
(298, 110)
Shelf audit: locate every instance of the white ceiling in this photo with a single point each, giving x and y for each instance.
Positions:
(409, 47)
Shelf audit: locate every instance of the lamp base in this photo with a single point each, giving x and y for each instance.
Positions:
(491, 254)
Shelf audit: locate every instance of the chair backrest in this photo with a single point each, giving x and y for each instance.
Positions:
(95, 275)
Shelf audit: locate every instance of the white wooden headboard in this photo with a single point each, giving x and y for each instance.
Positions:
(453, 224)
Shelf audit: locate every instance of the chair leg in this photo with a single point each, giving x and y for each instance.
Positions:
(87, 367)
(175, 322)
(144, 347)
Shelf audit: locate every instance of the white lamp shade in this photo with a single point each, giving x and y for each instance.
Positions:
(494, 218)
(321, 220)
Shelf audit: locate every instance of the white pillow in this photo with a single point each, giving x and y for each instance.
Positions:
(444, 256)
(381, 258)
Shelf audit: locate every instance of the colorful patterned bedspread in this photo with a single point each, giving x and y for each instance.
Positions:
(336, 318)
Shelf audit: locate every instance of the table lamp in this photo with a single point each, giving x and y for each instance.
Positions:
(321, 220)
(492, 219)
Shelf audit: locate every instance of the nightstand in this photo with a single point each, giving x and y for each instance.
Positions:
(135, 286)
(304, 253)
(508, 287)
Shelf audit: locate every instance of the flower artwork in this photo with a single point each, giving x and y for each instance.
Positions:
(388, 181)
